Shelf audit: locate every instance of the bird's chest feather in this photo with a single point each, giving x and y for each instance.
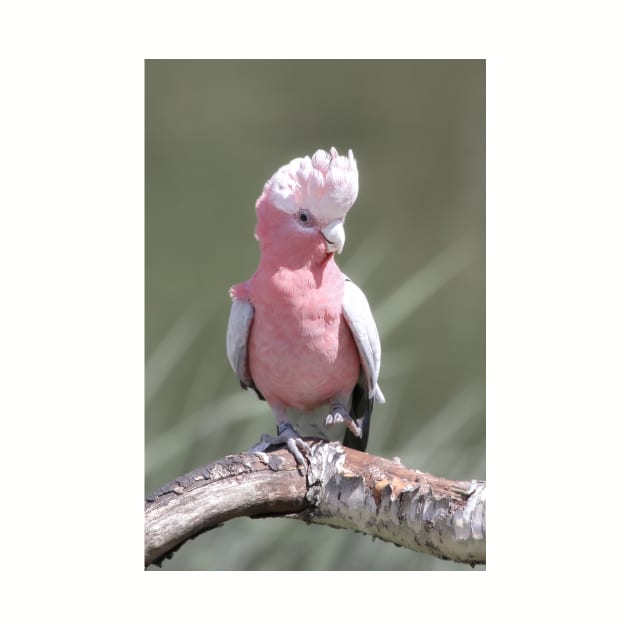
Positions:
(299, 338)
(294, 315)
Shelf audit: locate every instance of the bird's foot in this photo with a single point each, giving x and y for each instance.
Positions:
(289, 437)
(338, 413)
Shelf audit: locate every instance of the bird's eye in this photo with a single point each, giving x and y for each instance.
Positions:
(303, 216)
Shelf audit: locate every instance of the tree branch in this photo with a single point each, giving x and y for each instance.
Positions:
(343, 488)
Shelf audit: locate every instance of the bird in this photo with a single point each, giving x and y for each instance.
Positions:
(300, 333)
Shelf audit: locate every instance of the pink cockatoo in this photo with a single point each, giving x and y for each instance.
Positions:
(301, 333)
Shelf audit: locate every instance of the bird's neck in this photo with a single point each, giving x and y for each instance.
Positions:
(312, 260)
(295, 279)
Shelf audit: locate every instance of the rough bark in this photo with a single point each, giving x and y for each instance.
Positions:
(342, 488)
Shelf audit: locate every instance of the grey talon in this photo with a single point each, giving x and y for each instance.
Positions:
(289, 437)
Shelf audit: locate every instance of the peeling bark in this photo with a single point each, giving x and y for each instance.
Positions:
(342, 488)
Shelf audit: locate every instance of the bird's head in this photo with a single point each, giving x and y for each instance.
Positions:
(306, 201)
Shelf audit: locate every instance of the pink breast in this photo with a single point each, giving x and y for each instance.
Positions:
(301, 351)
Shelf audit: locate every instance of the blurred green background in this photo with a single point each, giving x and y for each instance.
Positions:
(215, 132)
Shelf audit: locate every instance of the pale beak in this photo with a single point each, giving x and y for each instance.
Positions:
(335, 236)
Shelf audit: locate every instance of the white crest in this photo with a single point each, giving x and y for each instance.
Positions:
(326, 184)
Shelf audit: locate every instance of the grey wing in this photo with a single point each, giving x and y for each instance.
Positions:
(239, 325)
(358, 316)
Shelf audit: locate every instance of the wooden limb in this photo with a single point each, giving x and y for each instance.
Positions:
(343, 488)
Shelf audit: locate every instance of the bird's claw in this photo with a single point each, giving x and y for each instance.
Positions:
(339, 414)
(288, 437)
